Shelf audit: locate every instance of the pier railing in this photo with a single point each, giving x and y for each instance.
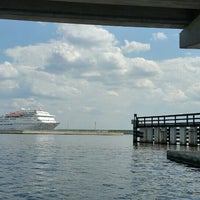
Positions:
(179, 120)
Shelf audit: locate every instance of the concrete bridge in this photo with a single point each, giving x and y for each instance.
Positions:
(181, 14)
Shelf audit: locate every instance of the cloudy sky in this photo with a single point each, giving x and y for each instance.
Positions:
(96, 74)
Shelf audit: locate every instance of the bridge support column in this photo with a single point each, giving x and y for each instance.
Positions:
(190, 36)
(172, 136)
(193, 136)
(182, 135)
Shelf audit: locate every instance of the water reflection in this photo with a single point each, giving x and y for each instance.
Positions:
(155, 177)
(91, 167)
(177, 147)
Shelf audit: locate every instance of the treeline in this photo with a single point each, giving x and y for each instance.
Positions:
(126, 132)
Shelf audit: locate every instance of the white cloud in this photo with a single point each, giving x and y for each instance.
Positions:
(135, 47)
(113, 93)
(8, 85)
(85, 72)
(140, 67)
(30, 55)
(87, 108)
(39, 55)
(91, 74)
(173, 94)
(7, 70)
(144, 83)
(86, 35)
(193, 91)
(30, 102)
(159, 36)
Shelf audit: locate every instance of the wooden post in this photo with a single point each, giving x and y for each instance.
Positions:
(134, 122)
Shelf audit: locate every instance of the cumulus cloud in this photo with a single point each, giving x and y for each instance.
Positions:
(173, 94)
(8, 85)
(86, 35)
(193, 91)
(113, 93)
(135, 47)
(138, 68)
(8, 71)
(144, 83)
(32, 55)
(87, 108)
(86, 70)
(30, 102)
(159, 36)
(91, 74)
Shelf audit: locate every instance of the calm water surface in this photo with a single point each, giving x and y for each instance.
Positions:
(90, 167)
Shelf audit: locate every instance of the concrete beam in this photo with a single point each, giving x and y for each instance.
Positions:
(143, 13)
(187, 4)
(134, 13)
(190, 36)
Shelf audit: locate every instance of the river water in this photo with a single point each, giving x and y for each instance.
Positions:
(90, 167)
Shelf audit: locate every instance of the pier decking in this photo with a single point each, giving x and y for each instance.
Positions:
(167, 129)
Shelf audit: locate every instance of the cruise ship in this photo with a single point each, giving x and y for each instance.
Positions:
(28, 120)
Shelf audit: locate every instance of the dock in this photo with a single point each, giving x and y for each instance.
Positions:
(189, 158)
(183, 129)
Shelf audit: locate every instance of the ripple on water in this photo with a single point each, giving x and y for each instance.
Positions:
(90, 167)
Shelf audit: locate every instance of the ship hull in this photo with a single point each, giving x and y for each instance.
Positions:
(39, 126)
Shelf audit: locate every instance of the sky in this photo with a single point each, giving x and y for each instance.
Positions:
(96, 76)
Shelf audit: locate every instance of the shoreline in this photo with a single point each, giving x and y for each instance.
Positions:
(64, 132)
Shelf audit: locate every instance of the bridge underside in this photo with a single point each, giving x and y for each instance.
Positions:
(181, 14)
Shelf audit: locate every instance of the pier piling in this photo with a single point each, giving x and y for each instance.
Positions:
(182, 136)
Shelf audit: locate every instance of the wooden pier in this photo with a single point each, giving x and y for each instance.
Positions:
(183, 129)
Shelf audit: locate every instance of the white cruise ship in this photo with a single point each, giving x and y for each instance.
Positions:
(28, 120)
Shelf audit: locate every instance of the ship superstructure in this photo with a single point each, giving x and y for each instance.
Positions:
(28, 120)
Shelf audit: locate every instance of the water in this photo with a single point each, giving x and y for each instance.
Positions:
(90, 167)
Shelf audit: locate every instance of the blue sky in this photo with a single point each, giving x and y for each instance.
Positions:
(96, 74)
